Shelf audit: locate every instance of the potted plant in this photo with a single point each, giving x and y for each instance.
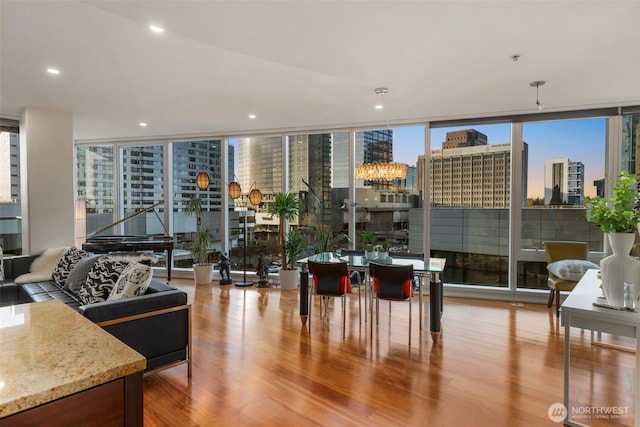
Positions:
(616, 214)
(383, 250)
(293, 248)
(285, 206)
(324, 238)
(618, 217)
(200, 244)
(369, 238)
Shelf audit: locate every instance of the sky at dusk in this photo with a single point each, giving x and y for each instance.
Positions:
(580, 140)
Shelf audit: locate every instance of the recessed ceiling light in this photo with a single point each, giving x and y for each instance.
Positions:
(53, 71)
(143, 124)
(156, 28)
(252, 116)
(379, 107)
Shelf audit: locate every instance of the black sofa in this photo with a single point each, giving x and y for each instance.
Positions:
(156, 324)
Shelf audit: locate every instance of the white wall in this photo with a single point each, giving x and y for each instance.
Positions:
(46, 141)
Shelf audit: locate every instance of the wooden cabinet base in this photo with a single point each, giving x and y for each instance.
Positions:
(116, 403)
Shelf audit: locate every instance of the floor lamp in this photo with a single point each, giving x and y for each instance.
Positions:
(235, 191)
(255, 197)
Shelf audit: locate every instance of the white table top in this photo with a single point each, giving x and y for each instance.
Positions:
(580, 301)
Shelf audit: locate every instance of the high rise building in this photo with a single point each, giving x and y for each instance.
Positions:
(563, 182)
(469, 172)
(260, 163)
(9, 166)
(464, 138)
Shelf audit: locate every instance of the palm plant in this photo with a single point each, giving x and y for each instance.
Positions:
(200, 244)
(285, 206)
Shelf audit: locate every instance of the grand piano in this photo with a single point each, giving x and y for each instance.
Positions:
(132, 243)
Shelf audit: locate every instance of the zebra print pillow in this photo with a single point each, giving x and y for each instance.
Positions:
(70, 259)
(101, 279)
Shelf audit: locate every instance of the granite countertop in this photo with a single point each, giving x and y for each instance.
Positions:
(48, 351)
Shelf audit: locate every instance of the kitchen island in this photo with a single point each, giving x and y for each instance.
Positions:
(59, 368)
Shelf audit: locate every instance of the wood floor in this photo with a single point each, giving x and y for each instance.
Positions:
(497, 364)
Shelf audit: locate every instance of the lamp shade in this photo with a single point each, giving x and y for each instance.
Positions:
(255, 197)
(234, 190)
(202, 180)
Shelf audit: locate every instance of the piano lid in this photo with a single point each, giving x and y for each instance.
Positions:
(133, 215)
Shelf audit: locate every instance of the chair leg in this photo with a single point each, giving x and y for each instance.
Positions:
(344, 322)
(551, 296)
(557, 303)
(410, 317)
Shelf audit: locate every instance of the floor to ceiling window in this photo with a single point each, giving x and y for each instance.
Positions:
(253, 233)
(95, 186)
(470, 198)
(565, 168)
(473, 198)
(388, 188)
(318, 170)
(10, 198)
(189, 158)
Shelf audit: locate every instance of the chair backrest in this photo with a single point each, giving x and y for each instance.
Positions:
(559, 250)
(330, 278)
(392, 281)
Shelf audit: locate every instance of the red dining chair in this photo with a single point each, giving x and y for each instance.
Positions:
(392, 283)
(330, 280)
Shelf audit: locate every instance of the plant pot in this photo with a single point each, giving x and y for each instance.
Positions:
(369, 254)
(202, 274)
(382, 255)
(289, 279)
(619, 268)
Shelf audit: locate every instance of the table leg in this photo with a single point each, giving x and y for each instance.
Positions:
(435, 307)
(304, 294)
(637, 390)
(420, 301)
(567, 362)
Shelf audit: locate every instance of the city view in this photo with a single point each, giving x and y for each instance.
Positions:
(560, 165)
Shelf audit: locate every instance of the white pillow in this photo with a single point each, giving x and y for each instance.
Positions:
(571, 269)
(133, 281)
(41, 268)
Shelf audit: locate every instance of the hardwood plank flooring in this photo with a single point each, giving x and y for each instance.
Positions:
(497, 364)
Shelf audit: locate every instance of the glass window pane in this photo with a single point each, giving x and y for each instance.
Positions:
(10, 200)
(566, 167)
(470, 197)
(253, 232)
(189, 159)
(318, 175)
(387, 189)
(95, 186)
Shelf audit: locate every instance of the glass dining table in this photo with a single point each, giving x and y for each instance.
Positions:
(430, 270)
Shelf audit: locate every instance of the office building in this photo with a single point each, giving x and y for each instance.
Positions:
(563, 182)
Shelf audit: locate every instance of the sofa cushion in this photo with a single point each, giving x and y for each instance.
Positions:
(133, 282)
(571, 269)
(43, 266)
(79, 274)
(101, 279)
(69, 260)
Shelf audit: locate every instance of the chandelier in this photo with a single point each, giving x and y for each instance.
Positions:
(381, 171)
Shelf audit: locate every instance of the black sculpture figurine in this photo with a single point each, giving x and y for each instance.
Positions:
(263, 274)
(225, 267)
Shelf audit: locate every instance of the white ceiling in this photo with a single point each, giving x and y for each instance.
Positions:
(310, 64)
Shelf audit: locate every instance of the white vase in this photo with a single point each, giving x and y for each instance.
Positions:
(202, 273)
(288, 279)
(619, 268)
(370, 254)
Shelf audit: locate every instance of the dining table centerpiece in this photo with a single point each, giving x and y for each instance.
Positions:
(618, 217)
